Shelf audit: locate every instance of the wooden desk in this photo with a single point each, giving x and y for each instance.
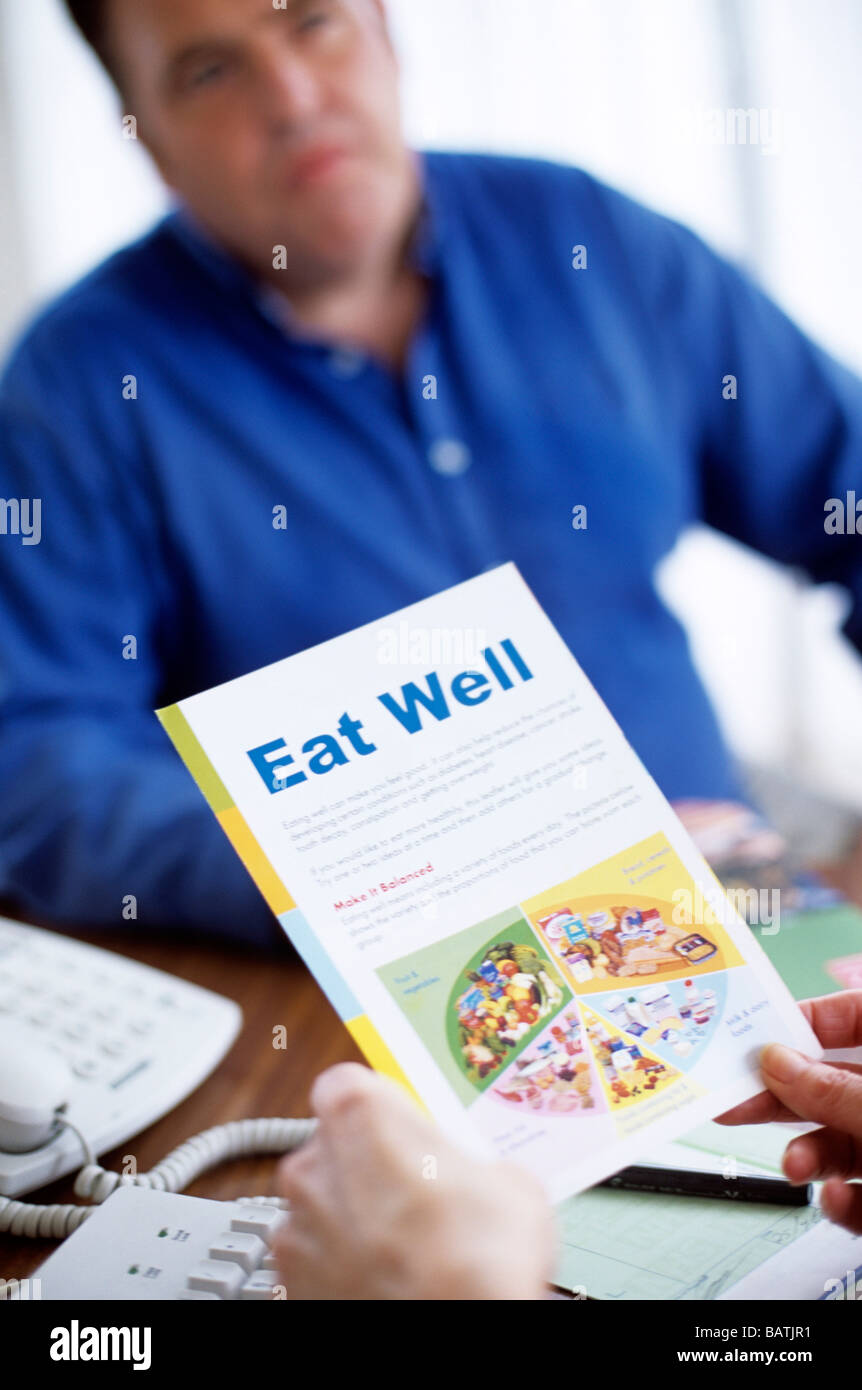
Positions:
(254, 1079)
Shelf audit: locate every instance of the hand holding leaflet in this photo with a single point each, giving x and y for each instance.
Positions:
(488, 885)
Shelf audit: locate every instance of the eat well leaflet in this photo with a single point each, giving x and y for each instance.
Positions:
(488, 885)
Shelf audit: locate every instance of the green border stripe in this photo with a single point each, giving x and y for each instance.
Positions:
(181, 734)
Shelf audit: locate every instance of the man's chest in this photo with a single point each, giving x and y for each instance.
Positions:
(305, 495)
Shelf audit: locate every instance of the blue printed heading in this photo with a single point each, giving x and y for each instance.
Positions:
(411, 708)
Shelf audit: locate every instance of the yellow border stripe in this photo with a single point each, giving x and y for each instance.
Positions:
(367, 1038)
(251, 854)
(185, 741)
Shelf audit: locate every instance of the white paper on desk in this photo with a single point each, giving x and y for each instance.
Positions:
(815, 1266)
(488, 885)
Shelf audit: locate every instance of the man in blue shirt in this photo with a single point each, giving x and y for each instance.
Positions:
(340, 377)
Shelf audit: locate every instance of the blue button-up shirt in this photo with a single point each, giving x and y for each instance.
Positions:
(165, 408)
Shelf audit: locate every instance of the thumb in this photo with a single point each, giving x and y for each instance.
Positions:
(815, 1091)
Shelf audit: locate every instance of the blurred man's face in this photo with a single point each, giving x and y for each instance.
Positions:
(277, 126)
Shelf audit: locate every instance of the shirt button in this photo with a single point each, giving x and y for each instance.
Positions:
(346, 363)
(449, 456)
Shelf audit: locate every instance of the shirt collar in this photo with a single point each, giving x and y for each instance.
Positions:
(424, 252)
(207, 252)
(426, 248)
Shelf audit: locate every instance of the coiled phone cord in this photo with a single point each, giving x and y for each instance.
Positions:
(273, 1135)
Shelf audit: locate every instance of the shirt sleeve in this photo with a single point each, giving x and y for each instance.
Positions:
(776, 422)
(100, 822)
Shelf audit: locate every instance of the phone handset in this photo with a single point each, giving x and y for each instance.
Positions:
(34, 1092)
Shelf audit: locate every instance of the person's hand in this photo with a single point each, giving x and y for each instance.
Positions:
(384, 1207)
(828, 1093)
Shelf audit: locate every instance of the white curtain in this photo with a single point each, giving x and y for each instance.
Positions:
(630, 89)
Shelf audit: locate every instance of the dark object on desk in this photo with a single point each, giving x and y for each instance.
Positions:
(687, 1182)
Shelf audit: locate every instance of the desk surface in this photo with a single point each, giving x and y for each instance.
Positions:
(254, 1078)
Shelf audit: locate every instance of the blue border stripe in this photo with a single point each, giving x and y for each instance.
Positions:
(320, 965)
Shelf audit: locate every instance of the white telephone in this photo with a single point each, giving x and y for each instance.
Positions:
(93, 1048)
(34, 1093)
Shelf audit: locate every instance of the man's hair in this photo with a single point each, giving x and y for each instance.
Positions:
(91, 18)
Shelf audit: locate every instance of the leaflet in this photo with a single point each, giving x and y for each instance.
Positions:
(488, 885)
